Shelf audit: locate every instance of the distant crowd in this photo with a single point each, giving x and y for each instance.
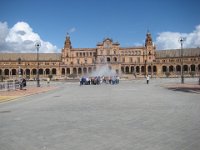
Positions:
(99, 80)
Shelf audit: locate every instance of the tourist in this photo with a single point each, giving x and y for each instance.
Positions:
(117, 79)
(147, 79)
(80, 81)
(48, 81)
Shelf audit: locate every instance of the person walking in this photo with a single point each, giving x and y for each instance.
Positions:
(48, 81)
(147, 79)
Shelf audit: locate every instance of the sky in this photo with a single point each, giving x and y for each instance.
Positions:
(22, 22)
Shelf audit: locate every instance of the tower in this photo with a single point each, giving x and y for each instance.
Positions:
(150, 48)
(68, 42)
(66, 51)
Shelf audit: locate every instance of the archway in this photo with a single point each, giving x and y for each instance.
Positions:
(132, 69)
(164, 69)
(122, 69)
(84, 70)
(79, 71)
(47, 71)
(178, 68)
(41, 71)
(115, 59)
(6, 72)
(89, 70)
(27, 71)
(74, 71)
(63, 71)
(171, 68)
(154, 69)
(127, 69)
(193, 68)
(185, 68)
(142, 69)
(149, 68)
(14, 72)
(34, 71)
(137, 69)
(108, 59)
(68, 70)
(54, 71)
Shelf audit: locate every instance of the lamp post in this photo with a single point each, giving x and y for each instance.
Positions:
(19, 73)
(37, 45)
(182, 75)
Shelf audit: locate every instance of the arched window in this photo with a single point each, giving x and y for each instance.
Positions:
(193, 68)
(28, 72)
(132, 69)
(142, 69)
(90, 70)
(178, 68)
(115, 59)
(74, 71)
(185, 68)
(149, 68)
(54, 71)
(84, 70)
(154, 69)
(122, 69)
(171, 68)
(68, 70)
(63, 71)
(137, 69)
(108, 59)
(164, 69)
(6, 72)
(79, 71)
(14, 72)
(47, 71)
(41, 71)
(34, 71)
(127, 69)
(21, 71)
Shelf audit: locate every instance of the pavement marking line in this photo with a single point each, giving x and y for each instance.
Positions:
(12, 95)
(7, 98)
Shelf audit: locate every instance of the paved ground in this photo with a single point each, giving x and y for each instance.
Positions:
(128, 116)
(13, 94)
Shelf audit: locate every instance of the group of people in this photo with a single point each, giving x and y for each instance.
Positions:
(22, 83)
(99, 80)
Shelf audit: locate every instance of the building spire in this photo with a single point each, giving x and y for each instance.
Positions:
(68, 41)
(148, 40)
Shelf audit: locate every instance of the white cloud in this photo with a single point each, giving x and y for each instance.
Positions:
(21, 38)
(170, 40)
(72, 30)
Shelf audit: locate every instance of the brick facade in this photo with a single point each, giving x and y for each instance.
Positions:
(127, 62)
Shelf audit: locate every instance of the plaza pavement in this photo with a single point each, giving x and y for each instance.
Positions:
(130, 116)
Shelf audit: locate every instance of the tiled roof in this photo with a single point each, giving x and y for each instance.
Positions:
(30, 56)
(83, 49)
(131, 48)
(177, 53)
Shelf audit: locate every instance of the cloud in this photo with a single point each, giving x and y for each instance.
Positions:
(21, 39)
(72, 30)
(170, 40)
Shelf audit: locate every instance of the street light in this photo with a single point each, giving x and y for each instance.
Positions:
(182, 39)
(37, 45)
(19, 73)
